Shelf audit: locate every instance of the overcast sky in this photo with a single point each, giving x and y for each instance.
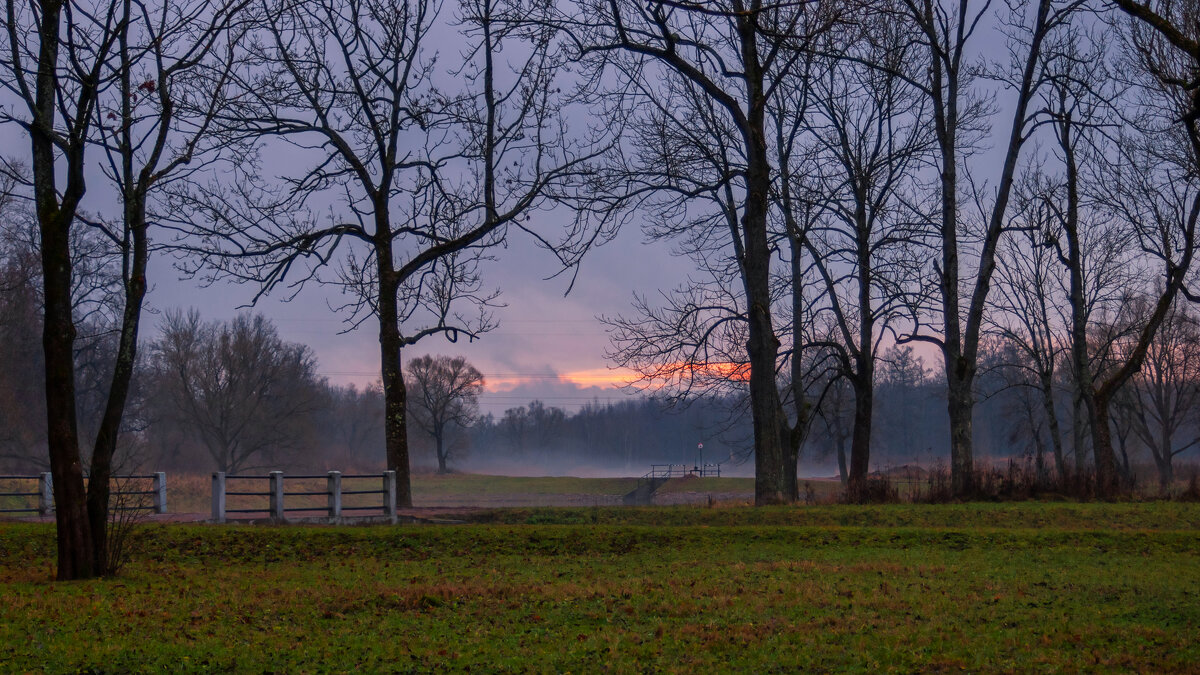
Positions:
(547, 346)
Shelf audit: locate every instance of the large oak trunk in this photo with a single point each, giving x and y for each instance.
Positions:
(961, 405)
(1108, 481)
(395, 426)
(860, 443)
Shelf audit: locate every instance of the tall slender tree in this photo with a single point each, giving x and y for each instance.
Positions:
(57, 61)
(963, 273)
(171, 65)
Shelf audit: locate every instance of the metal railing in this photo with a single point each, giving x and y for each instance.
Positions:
(23, 493)
(664, 472)
(276, 494)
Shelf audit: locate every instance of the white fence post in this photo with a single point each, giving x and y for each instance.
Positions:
(160, 492)
(45, 494)
(218, 497)
(335, 494)
(389, 495)
(277, 496)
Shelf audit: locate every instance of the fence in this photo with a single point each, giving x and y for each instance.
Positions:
(45, 493)
(276, 494)
(667, 471)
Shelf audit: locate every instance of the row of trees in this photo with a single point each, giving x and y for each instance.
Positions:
(828, 165)
(849, 176)
(230, 396)
(234, 397)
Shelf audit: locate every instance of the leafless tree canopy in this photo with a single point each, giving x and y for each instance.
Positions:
(245, 393)
(444, 399)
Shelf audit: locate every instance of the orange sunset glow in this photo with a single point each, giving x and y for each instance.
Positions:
(591, 377)
(620, 377)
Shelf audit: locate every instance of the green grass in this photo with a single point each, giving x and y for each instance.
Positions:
(980, 588)
(1128, 517)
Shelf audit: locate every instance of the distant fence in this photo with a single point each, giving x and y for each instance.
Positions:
(667, 471)
(17, 493)
(276, 493)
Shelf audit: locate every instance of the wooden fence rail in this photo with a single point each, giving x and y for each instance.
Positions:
(23, 488)
(276, 494)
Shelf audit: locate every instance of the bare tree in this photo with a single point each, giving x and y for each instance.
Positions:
(1157, 192)
(871, 137)
(1151, 186)
(703, 79)
(1165, 392)
(445, 397)
(152, 123)
(1026, 315)
(406, 185)
(87, 72)
(57, 60)
(967, 261)
(244, 392)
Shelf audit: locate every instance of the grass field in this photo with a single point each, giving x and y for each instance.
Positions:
(980, 588)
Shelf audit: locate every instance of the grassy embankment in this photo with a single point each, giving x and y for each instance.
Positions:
(991, 587)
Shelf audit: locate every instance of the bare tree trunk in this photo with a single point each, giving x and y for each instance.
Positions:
(1162, 460)
(1079, 424)
(860, 444)
(961, 406)
(1107, 478)
(440, 441)
(771, 468)
(118, 393)
(55, 218)
(841, 456)
(395, 395)
(771, 484)
(1039, 459)
(1081, 366)
(134, 255)
(960, 402)
(864, 375)
(58, 342)
(1056, 441)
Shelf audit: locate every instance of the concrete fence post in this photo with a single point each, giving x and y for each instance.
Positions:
(160, 492)
(277, 512)
(389, 495)
(335, 494)
(218, 497)
(45, 494)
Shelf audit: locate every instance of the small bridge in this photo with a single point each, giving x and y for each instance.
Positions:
(659, 474)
